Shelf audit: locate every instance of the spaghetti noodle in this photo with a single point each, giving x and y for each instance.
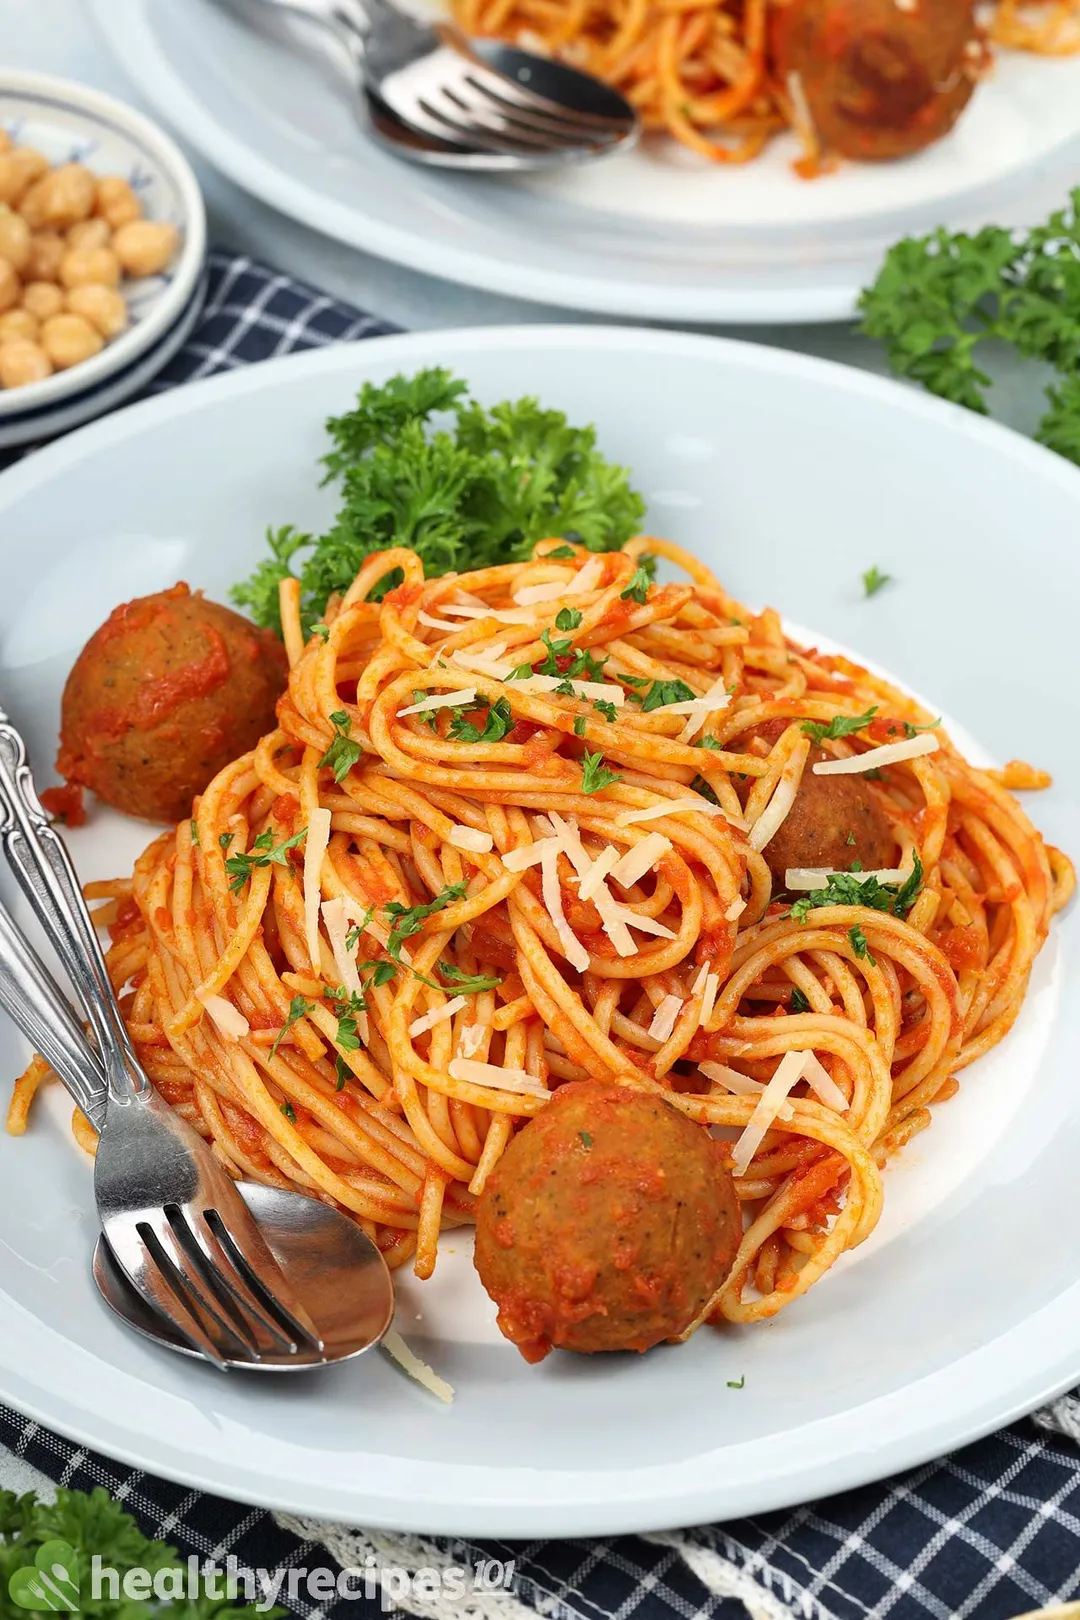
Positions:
(700, 70)
(509, 832)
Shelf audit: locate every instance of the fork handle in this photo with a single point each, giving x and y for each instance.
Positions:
(39, 858)
(37, 1007)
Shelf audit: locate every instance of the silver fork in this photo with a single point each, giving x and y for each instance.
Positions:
(500, 108)
(170, 1211)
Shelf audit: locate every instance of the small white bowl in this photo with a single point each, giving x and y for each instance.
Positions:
(70, 122)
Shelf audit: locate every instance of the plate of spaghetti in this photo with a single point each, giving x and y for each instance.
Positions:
(582, 894)
(787, 143)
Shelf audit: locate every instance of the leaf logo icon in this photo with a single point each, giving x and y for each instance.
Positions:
(50, 1584)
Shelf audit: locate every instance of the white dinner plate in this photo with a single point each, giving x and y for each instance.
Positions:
(790, 477)
(655, 233)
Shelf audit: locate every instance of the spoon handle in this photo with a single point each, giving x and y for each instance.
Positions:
(39, 858)
(38, 1008)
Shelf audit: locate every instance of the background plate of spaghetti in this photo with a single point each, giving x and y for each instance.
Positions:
(666, 231)
(788, 481)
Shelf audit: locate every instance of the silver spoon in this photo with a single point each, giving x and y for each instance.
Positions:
(438, 99)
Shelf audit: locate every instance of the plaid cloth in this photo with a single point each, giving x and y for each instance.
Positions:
(990, 1532)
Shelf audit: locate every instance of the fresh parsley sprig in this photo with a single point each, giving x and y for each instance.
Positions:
(594, 773)
(855, 889)
(263, 852)
(298, 1006)
(661, 693)
(841, 725)
(408, 920)
(344, 752)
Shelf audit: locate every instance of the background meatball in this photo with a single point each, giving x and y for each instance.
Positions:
(167, 692)
(834, 821)
(881, 79)
(607, 1224)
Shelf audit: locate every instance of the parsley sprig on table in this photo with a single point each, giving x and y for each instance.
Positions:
(938, 297)
(480, 490)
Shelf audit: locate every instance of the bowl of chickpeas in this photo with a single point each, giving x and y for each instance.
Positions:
(102, 252)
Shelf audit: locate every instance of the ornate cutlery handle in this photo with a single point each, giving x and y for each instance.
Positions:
(41, 863)
(37, 1006)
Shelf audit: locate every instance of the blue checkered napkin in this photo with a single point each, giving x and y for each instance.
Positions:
(991, 1532)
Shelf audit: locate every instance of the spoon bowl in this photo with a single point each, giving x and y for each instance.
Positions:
(336, 1270)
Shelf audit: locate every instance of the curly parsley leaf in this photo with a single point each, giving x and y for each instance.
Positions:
(346, 1006)
(477, 489)
(468, 984)
(798, 1001)
(874, 580)
(841, 725)
(661, 693)
(638, 588)
(579, 726)
(594, 774)
(854, 889)
(567, 619)
(498, 722)
(343, 753)
(297, 1008)
(859, 945)
(608, 710)
(408, 920)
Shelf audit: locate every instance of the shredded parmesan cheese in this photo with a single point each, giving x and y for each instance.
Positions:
(807, 878)
(708, 1000)
(593, 880)
(717, 697)
(543, 593)
(436, 624)
(502, 615)
(588, 577)
(699, 983)
(788, 1074)
(472, 1073)
(440, 700)
(736, 909)
(419, 1026)
(516, 860)
(318, 837)
(674, 807)
(472, 839)
(665, 1017)
(741, 1085)
(410, 1363)
(572, 948)
(822, 1083)
(874, 758)
(775, 813)
(471, 1039)
(485, 660)
(640, 859)
(335, 916)
(647, 925)
(229, 1020)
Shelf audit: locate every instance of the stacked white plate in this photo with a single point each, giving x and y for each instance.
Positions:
(70, 123)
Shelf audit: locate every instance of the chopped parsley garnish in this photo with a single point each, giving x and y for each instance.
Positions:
(912, 730)
(263, 852)
(352, 938)
(875, 774)
(638, 588)
(321, 630)
(661, 693)
(594, 774)
(418, 464)
(608, 710)
(194, 832)
(579, 726)
(841, 725)
(555, 651)
(874, 580)
(851, 889)
(347, 1007)
(408, 920)
(585, 1139)
(850, 839)
(520, 672)
(699, 785)
(468, 984)
(859, 945)
(289, 1111)
(560, 554)
(567, 619)
(565, 687)
(343, 752)
(737, 1383)
(633, 680)
(498, 722)
(798, 1002)
(709, 742)
(381, 973)
(297, 1008)
(225, 839)
(342, 1070)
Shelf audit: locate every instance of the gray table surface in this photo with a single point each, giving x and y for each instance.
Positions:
(58, 36)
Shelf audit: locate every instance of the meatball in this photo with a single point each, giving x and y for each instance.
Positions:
(608, 1223)
(881, 79)
(835, 821)
(167, 692)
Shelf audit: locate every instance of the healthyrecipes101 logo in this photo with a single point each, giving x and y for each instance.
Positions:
(51, 1583)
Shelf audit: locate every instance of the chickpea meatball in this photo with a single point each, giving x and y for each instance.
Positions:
(22, 362)
(116, 203)
(14, 240)
(10, 285)
(16, 324)
(43, 299)
(47, 249)
(167, 692)
(608, 1224)
(89, 233)
(145, 246)
(880, 81)
(90, 266)
(61, 199)
(68, 340)
(19, 169)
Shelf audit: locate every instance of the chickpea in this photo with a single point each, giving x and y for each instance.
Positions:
(43, 299)
(101, 306)
(61, 199)
(116, 203)
(5, 141)
(19, 168)
(10, 285)
(22, 362)
(47, 248)
(145, 246)
(89, 233)
(81, 267)
(68, 340)
(18, 324)
(14, 240)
